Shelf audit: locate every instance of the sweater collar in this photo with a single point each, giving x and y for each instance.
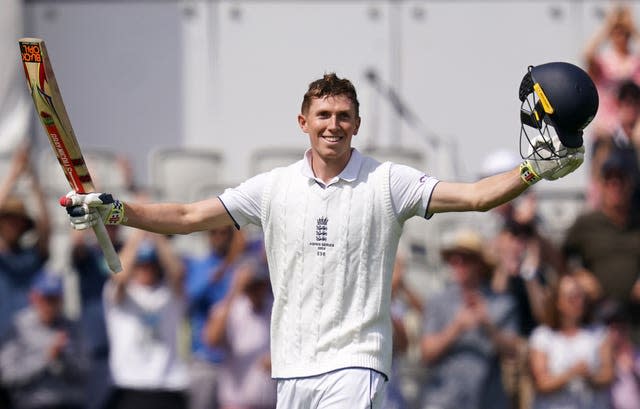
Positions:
(348, 174)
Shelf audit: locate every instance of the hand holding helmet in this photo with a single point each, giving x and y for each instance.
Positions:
(550, 166)
(558, 101)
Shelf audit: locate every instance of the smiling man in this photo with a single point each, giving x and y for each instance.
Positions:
(331, 222)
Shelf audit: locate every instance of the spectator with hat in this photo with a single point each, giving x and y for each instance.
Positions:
(467, 327)
(603, 245)
(20, 259)
(43, 360)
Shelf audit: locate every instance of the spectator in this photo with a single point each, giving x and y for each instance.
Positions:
(144, 307)
(571, 363)
(207, 282)
(603, 246)
(526, 265)
(618, 141)
(93, 272)
(625, 390)
(20, 260)
(467, 326)
(610, 67)
(403, 298)
(240, 323)
(43, 361)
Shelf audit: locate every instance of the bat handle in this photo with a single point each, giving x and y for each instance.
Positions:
(107, 247)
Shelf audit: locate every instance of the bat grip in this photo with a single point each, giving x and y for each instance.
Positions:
(107, 246)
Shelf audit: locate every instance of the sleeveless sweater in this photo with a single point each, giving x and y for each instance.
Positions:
(331, 253)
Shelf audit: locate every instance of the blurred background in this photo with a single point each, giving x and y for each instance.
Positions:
(437, 81)
(180, 99)
(229, 75)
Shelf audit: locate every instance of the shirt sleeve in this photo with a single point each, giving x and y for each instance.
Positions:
(540, 338)
(19, 366)
(411, 191)
(244, 202)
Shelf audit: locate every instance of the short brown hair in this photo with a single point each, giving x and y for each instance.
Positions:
(330, 85)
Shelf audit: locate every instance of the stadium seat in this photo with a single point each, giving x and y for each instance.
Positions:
(105, 166)
(558, 210)
(175, 171)
(397, 154)
(263, 160)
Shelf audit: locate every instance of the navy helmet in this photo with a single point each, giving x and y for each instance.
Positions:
(557, 97)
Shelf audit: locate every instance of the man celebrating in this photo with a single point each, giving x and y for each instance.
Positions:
(331, 224)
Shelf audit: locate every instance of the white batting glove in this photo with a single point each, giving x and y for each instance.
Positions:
(545, 165)
(85, 210)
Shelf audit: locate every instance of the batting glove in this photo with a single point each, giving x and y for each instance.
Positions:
(544, 164)
(85, 210)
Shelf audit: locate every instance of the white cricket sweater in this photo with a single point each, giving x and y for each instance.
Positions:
(331, 253)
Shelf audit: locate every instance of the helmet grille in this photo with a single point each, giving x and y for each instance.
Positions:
(526, 86)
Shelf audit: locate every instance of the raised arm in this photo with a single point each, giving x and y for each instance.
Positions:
(21, 167)
(216, 325)
(171, 263)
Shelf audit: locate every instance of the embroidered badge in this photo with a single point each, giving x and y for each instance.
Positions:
(322, 230)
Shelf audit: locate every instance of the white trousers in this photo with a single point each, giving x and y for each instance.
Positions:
(349, 388)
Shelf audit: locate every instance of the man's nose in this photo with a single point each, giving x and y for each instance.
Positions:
(333, 122)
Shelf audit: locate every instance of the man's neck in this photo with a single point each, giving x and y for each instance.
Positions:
(618, 216)
(326, 170)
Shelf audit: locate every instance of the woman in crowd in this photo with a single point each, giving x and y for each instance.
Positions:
(571, 363)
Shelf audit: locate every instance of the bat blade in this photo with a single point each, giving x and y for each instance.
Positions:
(51, 111)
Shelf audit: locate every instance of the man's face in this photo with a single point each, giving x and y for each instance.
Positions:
(12, 228)
(220, 239)
(48, 307)
(617, 188)
(330, 123)
(628, 113)
(466, 268)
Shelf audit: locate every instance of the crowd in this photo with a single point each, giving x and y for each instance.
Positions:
(520, 322)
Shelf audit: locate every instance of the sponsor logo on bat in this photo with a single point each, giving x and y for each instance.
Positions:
(31, 53)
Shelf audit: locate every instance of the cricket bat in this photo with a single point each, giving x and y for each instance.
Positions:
(53, 116)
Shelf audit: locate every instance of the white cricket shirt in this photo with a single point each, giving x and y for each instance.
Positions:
(331, 250)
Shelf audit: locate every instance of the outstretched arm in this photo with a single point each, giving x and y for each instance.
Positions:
(489, 192)
(177, 218)
(482, 195)
(162, 218)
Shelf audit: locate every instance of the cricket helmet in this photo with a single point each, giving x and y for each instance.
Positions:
(558, 99)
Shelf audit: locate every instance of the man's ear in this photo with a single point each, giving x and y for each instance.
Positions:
(358, 121)
(302, 122)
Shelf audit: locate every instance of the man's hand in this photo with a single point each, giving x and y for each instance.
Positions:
(85, 209)
(544, 164)
(60, 341)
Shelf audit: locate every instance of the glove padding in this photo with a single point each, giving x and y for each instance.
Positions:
(544, 164)
(85, 210)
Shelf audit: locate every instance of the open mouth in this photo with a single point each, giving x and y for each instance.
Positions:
(332, 138)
